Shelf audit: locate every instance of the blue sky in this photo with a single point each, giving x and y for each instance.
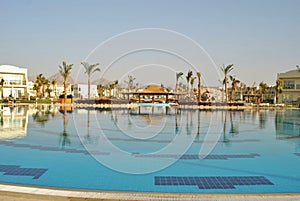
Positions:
(260, 38)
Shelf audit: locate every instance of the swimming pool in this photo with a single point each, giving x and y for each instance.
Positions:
(141, 149)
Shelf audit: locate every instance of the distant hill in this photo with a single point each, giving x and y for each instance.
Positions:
(102, 81)
(59, 79)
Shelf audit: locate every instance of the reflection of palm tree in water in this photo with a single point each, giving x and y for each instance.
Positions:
(114, 117)
(129, 117)
(42, 115)
(177, 111)
(225, 139)
(198, 127)
(234, 127)
(65, 136)
(88, 137)
(262, 120)
(188, 127)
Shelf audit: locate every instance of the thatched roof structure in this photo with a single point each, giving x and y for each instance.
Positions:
(154, 89)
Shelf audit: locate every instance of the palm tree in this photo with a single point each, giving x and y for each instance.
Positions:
(100, 89)
(116, 83)
(44, 83)
(89, 70)
(234, 83)
(54, 87)
(243, 87)
(226, 70)
(65, 139)
(278, 88)
(192, 84)
(48, 90)
(178, 75)
(1, 84)
(188, 78)
(37, 88)
(130, 82)
(111, 87)
(38, 84)
(262, 89)
(65, 71)
(199, 86)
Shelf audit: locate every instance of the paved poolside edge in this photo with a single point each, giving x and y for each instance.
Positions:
(18, 192)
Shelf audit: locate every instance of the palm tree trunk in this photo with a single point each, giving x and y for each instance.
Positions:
(65, 92)
(43, 90)
(176, 86)
(226, 97)
(199, 87)
(89, 86)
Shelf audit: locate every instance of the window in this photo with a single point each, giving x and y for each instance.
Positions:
(289, 84)
(297, 86)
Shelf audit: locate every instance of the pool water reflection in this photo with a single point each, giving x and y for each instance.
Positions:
(257, 150)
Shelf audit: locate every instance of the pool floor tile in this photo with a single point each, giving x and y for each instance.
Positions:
(197, 157)
(16, 170)
(212, 182)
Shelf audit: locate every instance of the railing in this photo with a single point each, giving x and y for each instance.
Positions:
(14, 82)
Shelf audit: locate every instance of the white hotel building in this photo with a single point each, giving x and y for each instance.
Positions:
(15, 81)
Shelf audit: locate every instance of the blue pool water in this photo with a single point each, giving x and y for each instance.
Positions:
(151, 149)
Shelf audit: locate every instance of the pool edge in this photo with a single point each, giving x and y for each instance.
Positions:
(18, 192)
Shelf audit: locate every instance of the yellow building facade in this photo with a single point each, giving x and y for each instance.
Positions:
(291, 86)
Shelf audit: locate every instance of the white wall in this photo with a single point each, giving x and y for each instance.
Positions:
(81, 91)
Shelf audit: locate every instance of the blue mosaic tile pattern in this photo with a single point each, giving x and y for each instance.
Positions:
(44, 148)
(197, 157)
(16, 170)
(217, 182)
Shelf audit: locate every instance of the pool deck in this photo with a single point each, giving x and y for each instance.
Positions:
(10, 192)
